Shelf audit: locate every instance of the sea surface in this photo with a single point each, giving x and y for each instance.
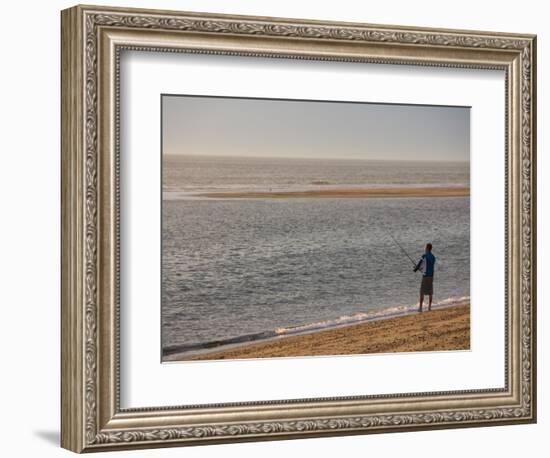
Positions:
(238, 270)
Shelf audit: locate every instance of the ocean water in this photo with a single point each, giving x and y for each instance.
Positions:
(236, 270)
(184, 176)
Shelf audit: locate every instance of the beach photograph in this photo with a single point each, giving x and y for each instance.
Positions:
(305, 228)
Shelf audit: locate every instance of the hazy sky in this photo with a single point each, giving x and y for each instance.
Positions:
(282, 128)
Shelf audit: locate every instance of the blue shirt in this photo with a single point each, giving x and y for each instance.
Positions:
(429, 263)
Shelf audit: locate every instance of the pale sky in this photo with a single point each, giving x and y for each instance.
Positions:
(282, 128)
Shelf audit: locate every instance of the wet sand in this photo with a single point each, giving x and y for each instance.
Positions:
(347, 193)
(437, 330)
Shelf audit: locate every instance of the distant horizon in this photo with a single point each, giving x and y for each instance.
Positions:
(373, 159)
(282, 128)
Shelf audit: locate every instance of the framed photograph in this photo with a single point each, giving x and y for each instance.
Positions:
(278, 228)
(324, 199)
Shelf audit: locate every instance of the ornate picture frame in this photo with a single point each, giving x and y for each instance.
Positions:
(92, 41)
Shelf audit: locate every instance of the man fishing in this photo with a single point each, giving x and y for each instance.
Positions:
(427, 264)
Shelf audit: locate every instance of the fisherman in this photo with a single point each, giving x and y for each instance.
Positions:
(427, 264)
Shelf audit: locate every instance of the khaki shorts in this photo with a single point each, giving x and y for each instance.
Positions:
(427, 285)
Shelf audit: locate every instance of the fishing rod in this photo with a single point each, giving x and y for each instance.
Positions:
(402, 249)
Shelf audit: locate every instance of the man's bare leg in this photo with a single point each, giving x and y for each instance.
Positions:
(421, 301)
(430, 303)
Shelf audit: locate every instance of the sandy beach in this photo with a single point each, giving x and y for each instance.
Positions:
(348, 193)
(437, 330)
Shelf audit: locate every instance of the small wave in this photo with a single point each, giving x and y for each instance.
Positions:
(346, 320)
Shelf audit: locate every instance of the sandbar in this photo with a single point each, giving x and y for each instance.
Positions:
(428, 191)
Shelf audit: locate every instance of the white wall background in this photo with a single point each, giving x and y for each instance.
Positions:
(29, 228)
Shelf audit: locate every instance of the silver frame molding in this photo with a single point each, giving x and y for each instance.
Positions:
(92, 40)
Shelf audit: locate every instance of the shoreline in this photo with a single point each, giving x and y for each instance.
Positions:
(446, 328)
(441, 191)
